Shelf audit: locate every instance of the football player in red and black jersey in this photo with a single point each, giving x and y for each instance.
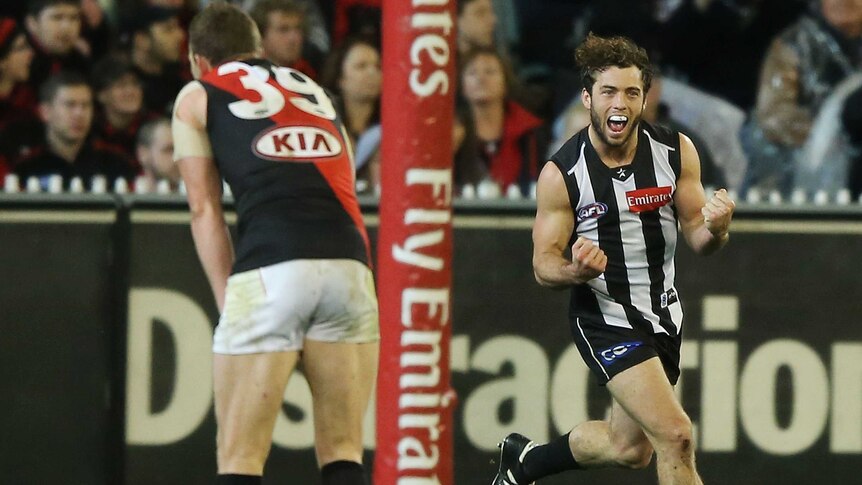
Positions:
(298, 285)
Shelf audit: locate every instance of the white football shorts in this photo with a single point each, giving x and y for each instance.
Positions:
(275, 308)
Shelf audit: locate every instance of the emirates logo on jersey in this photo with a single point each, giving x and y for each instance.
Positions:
(297, 144)
(644, 200)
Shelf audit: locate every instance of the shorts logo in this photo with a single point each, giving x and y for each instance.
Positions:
(296, 144)
(617, 351)
(592, 211)
(643, 200)
(669, 297)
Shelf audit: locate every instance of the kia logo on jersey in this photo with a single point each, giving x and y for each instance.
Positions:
(592, 211)
(643, 200)
(297, 144)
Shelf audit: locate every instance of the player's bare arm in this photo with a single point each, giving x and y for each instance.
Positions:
(203, 187)
(705, 223)
(551, 232)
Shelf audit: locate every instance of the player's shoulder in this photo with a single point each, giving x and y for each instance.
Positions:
(191, 103)
(193, 88)
(569, 154)
(662, 133)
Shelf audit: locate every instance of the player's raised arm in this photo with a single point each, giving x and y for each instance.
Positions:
(551, 232)
(193, 153)
(705, 223)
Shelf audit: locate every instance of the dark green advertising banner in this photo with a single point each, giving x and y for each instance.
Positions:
(772, 357)
(106, 323)
(60, 419)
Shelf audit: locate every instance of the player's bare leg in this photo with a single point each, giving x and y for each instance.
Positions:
(619, 441)
(249, 390)
(644, 392)
(341, 376)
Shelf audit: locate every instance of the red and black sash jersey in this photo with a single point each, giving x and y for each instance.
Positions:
(279, 145)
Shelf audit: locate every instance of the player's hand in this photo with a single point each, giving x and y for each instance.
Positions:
(718, 212)
(588, 261)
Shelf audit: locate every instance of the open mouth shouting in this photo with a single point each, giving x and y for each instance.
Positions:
(617, 123)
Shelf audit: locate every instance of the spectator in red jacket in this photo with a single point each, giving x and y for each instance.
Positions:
(503, 143)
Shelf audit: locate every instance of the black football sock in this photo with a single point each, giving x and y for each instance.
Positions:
(549, 459)
(232, 479)
(343, 472)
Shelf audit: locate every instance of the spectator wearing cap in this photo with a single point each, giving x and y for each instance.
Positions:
(66, 107)
(54, 27)
(120, 97)
(283, 29)
(17, 98)
(156, 39)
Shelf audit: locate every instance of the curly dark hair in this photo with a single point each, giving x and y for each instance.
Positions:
(596, 54)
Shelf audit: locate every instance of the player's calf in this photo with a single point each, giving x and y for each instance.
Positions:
(635, 456)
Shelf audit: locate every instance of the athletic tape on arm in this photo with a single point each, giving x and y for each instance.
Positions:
(188, 140)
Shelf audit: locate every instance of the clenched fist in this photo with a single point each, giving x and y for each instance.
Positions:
(588, 261)
(717, 212)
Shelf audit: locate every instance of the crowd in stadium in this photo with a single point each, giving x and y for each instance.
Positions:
(769, 90)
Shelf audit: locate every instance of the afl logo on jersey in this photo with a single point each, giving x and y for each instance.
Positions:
(296, 144)
(592, 211)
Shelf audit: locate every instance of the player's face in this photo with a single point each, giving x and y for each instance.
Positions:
(167, 40)
(70, 113)
(58, 28)
(284, 38)
(477, 22)
(616, 104)
(360, 73)
(124, 96)
(483, 80)
(16, 65)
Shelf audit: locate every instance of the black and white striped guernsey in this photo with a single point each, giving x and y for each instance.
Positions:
(629, 213)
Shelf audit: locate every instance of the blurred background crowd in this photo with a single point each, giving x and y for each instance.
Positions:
(769, 90)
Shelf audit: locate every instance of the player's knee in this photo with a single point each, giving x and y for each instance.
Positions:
(676, 437)
(240, 455)
(635, 456)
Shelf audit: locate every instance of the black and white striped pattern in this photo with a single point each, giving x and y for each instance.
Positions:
(638, 234)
